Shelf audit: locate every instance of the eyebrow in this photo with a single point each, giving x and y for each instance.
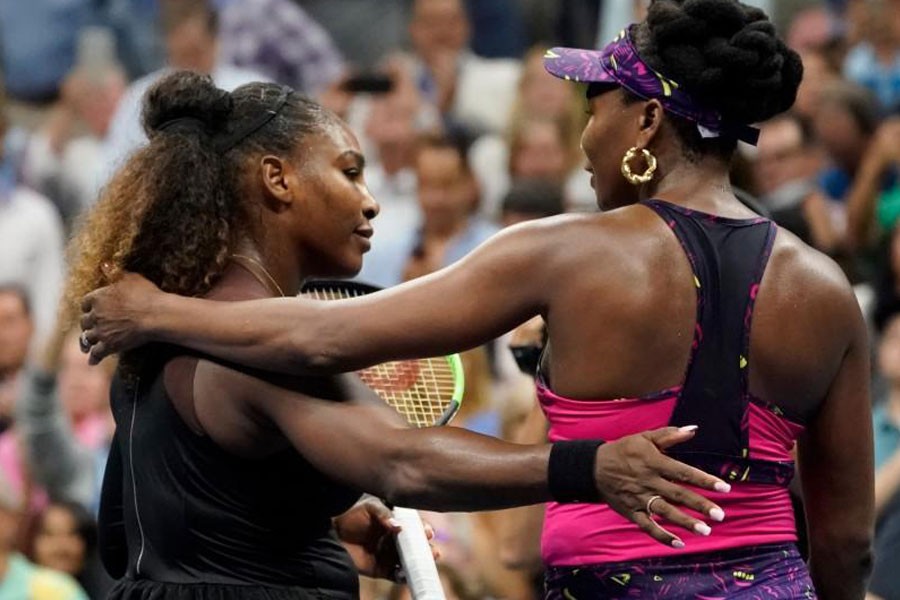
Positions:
(360, 159)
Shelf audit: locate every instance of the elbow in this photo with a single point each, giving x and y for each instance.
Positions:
(404, 479)
(849, 554)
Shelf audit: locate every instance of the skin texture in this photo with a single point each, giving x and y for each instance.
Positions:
(808, 340)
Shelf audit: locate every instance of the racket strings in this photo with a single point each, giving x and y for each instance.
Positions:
(417, 389)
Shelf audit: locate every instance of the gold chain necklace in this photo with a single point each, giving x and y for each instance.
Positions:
(250, 264)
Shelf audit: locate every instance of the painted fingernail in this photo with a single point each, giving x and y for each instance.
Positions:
(723, 487)
(717, 514)
(394, 522)
(677, 544)
(702, 528)
(688, 428)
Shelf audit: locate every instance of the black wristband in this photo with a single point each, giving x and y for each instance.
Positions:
(570, 473)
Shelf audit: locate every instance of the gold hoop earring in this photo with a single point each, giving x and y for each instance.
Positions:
(643, 177)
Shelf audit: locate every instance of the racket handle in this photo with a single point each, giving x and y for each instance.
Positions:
(416, 558)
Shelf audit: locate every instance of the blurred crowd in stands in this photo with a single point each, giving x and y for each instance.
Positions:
(464, 133)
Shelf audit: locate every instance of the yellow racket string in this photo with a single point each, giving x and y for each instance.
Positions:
(420, 389)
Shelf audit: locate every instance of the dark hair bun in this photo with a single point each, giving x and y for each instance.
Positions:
(186, 95)
(726, 53)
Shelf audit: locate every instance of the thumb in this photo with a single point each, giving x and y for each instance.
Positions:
(669, 436)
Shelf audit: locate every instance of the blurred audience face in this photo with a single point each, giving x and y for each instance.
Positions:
(539, 152)
(95, 99)
(58, 544)
(438, 27)
(447, 193)
(83, 389)
(781, 157)
(391, 125)
(543, 94)
(16, 328)
(817, 74)
(840, 134)
(192, 45)
(9, 528)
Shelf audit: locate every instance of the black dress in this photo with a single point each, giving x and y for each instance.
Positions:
(181, 518)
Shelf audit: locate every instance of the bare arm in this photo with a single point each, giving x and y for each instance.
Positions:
(836, 460)
(862, 201)
(343, 430)
(454, 309)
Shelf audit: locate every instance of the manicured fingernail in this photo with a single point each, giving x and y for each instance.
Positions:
(723, 487)
(394, 522)
(717, 514)
(702, 528)
(677, 544)
(688, 428)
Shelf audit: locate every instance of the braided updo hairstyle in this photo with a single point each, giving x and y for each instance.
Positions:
(174, 211)
(727, 55)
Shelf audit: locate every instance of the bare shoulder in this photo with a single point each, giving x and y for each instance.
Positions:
(810, 280)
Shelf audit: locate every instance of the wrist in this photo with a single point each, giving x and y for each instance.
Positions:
(571, 473)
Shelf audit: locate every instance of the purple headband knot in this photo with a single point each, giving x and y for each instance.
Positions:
(619, 64)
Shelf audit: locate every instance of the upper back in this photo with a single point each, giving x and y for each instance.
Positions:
(623, 306)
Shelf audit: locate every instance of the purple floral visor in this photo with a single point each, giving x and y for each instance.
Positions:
(619, 64)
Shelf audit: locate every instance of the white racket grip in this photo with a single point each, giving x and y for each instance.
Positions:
(416, 558)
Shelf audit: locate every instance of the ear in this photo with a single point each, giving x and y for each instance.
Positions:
(650, 120)
(278, 181)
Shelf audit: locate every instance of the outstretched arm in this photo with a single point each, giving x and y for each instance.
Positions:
(345, 431)
(498, 286)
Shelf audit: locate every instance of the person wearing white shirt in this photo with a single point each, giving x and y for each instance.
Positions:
(190, 28)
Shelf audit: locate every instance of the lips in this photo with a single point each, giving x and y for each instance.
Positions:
(364, 234)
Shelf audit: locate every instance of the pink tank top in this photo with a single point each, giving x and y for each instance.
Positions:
(741, 438)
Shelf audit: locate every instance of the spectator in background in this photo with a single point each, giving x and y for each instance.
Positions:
(873, 207)
(818, 74)
(16, 329)
(885, 582)
(66, 541)
(19, 578)
(64, 421)
(280, 40)
(365, 31)
(875, 61)
(844, 124)
(787, 161)
(37, 45)
(474, 94)
(392, 123)
(529, 199)
(540, 97)
(190, 28)
(450, 226)
(31, 239)
(64, 159)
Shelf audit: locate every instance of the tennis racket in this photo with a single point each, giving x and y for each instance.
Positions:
(426, 392)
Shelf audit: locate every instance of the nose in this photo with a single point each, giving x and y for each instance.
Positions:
(370, 207)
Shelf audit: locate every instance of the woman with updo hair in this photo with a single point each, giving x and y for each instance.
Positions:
(676, 305)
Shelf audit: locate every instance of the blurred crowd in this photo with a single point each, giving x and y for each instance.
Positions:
(464, 134)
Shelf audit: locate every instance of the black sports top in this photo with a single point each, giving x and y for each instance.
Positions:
(182, 518)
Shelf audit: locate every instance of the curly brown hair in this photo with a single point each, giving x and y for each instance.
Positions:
(173, 212)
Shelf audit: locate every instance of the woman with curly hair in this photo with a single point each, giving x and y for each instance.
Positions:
(221, 484)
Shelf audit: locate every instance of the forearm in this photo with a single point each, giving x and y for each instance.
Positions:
(236, 331)
(58, 462)
(449, 469)
(861, 201)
